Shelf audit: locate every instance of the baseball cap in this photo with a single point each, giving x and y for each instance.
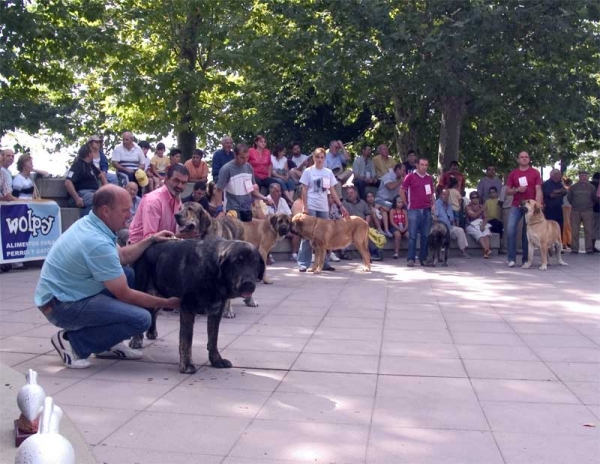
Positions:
(94, 138)
(141, 177)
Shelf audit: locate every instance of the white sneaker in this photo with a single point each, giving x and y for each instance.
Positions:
(511, 264)
(333, 257)
(294, 257)
(66, 353)
(120, 351)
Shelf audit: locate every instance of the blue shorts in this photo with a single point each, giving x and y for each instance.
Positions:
(385, 203)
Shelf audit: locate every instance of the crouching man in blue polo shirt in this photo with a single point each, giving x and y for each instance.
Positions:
(84, 289)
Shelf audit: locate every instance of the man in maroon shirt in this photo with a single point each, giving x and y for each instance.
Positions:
(524, 183)
(417, 193)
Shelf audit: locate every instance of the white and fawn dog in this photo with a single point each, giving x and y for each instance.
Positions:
(542, 234)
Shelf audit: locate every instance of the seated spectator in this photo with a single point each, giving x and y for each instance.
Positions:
(198, 195)
(376, 215)
(280, 173)
(6, 159)
(357, 207)
(151, 185)
(197, 167)
(364, 172)
(453, 172)
(174, 158)
(123, 234)
(23, 185)
(388, 190)
(127, 157)
(398, 224)
(300, 162)
(96, 143)
(444, 213)
(335, 160)
(159, 162)
(410, 165)
(493, 212)
(477, 227)
(82, 181)
(383, 163)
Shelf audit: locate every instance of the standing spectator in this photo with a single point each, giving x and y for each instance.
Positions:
(317, 181)
(159, 162)
(335, 160)
(259, 157)
(453, 172)
(236, 179)
(596, 235)
(5, 182)
(364, 172)
(300, 161)
(490, 180)
(445, 214)
(455, 199)
(128, 157)
(477, 227)
(157, 209)
(95, 143)
(389, 189)
(82, 181)
(505, 202)
(198, 195)
(554, 191)
(398, 224)
(382, 162)
(410, 165)
(197, 167)
(523, 183)
(493, 213)
(417, 193)
(281, 173)
(566, 208)
(222, 156)
(582, 196)
(23, 185)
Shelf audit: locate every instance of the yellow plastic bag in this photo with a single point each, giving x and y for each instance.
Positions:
(377, 238)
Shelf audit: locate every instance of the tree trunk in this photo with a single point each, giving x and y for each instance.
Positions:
(405, 140)
(453, 113)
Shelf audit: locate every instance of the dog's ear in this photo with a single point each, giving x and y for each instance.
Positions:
(204, 222)
(273, 221)
(261, 265)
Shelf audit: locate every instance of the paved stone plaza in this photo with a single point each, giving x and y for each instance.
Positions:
(474, 363)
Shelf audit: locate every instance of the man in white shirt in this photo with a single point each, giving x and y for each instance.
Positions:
(128, 157)
(300, 160)
(7, 158)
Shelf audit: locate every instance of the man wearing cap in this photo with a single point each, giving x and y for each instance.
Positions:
(157, 208)
(100, 160)
(554, 191)
(582, 196)
(82, 180)
(128, 157)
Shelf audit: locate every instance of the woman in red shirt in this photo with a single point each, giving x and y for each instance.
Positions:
(398, 224)
(259, 157)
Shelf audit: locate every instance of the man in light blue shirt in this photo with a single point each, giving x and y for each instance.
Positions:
(364, 172)
(84, 289)
(444, 213)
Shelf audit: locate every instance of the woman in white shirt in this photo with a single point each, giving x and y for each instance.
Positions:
(23, 186)
(281, 173)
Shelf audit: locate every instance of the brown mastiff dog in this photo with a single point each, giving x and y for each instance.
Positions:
(542, 234)
(264, 233)
(325, 234)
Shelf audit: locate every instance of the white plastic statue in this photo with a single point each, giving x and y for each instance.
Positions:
(30, 400)
(47, 446)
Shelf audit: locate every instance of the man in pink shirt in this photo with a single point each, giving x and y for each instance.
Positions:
(524, 183)
(157, 208)
(417, 193)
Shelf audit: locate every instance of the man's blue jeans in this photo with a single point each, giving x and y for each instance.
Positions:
(98, 323)
(514, 216)
(305, 251)
(419, 221)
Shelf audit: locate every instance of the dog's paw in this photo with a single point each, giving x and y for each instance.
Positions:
(151, 335)
(543, 268)
(267, 282)
(526, 265)
(251, 302)
(229, 314)
(562, 263)
(187, 368)
(136, 343)
(221, 363)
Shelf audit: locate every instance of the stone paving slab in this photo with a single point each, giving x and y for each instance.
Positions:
(474, 363)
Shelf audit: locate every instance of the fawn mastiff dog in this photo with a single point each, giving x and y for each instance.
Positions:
(542, 234)
(325, 234)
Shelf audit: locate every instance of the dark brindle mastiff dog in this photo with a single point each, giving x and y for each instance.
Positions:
(205, 275)
(439, 237)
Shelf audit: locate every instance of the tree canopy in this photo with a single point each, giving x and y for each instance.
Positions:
(467, 80)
